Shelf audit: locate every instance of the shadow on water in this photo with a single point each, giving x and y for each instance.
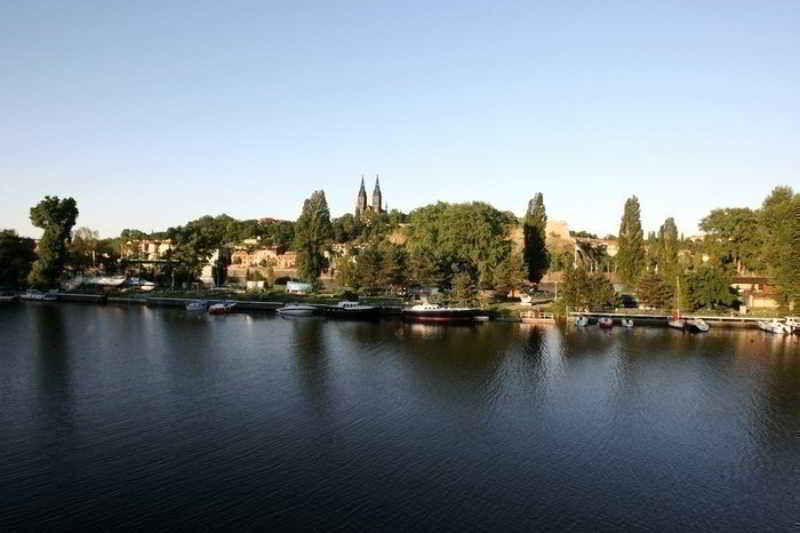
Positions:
(311, 360)
(52, 368)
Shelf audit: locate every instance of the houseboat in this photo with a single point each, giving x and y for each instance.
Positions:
(437, 313)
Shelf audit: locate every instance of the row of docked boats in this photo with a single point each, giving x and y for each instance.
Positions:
(780, 327)
(692, 325)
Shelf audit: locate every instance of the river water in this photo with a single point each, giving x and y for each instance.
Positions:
(142, 418)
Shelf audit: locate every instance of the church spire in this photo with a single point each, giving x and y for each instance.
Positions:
(377, 196)
(361, 199)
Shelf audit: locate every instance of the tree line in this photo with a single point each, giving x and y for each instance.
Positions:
(463, 247)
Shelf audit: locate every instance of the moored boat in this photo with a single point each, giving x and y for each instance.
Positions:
(774, 326)
(222, 308)
(32, 295)
(676, 322)
(627, 323)
(582, 321)
(6, 298)
(697, 325)
(793, 322)
(297, 310)
(437, 313)
(606, 322)
(197, 305)
(349, 309)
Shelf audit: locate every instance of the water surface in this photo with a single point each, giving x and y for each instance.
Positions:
(137, 417)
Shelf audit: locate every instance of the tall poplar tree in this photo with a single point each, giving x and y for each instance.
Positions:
(534, 227)
(668, 251)
(631, 255)
(56, 217)
(312, 232)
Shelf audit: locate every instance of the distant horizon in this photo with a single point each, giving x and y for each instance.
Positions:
(151, 114)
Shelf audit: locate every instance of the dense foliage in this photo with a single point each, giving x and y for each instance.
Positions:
(445, 239)
(313, 232)
(655, 292)
(585, 291)
(56, 217)
(16, 258)
(631, 254)
(534, 226)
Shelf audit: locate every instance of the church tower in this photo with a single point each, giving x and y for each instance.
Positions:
(361, 200)
(377, 197)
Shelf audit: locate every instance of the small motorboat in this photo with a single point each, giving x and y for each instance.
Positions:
(7, 298)
(697, 325)
(222, 308)
(348, 309)
(582, 321)
(197, 305)
(793, 323)
(297, 310)
(606, 322)
(774, 326)
(627, 323)
(32, 295)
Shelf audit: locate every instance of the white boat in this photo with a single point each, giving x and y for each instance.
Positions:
(627, 322)
(108, 281)
(32, 295)
(296, 310)
(793, 322)
(222, 308)
(582, 321)
(197, 305)
(6, 298)
(697, 325)
(774, 326)
(605, 322)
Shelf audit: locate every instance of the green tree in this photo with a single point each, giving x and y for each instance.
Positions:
(346, 228)
(534, 227)
(709, 287)
(446, 238)
(16, 258)
(510, 274)
(394, 266)
(369, 270)
(464, 290)
(735, 236)
(56, 217)
(601, 293)
(346, 275)
(780, 220)
(83, 248)
(668, 244)
(313, 232)
(631, 254)
(654, 292)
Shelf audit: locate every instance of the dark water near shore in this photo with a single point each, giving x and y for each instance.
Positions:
(131, 417)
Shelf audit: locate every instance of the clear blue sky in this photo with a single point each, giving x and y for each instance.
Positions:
(154, 113)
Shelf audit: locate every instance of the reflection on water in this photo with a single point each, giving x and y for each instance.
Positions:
(132, 416)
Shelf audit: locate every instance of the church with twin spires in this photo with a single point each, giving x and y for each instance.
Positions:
(375, 206)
